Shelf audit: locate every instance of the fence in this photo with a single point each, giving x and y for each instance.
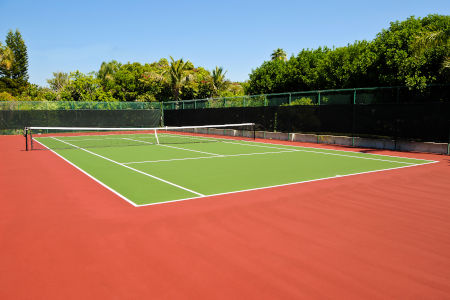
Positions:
(384, 112)
(13, 121)
(419, 122)
(376, 95)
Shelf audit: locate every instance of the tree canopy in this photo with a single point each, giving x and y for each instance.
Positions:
(414, 52)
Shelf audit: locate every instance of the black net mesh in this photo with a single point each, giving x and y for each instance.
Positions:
(18, 119)
(419, 121)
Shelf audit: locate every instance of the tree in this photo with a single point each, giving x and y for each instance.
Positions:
(59, 81)
(414, 52)
(433, 39)
(84, 87)
(178, 76)
(398, 63)
(107, 70)
(19, 68)
(279, 54)
(219, 83)
(6, 59)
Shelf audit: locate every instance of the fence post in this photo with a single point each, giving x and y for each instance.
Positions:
(354, 118)
(318, 97)
(162, 113)
(265, 100)
(290, 98)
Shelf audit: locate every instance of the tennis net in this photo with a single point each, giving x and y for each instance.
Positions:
(44, 138)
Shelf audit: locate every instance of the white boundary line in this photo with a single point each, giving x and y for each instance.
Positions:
(247, 190)
(281, 185)
(133, 169)
(229, 141)
(203, 157)
(309, 151)
(90, 176)
(173, 147)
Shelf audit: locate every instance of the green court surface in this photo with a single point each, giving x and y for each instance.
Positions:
(181, 167)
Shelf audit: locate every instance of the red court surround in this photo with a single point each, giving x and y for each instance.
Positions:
(382, 235)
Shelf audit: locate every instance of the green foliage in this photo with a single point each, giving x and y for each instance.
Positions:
(279, 54)
(219, 83)
(107, 70)
(5, 96)
(14, 87)
(233, 89)
(59, 81)
(85, 88)
(178, 76)
(6, 60)
(414, 52)
(19, 68)
(300, 101)
(13, 64)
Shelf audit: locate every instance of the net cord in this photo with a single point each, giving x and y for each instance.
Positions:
(140, 128)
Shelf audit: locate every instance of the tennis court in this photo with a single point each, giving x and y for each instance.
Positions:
(145, 167)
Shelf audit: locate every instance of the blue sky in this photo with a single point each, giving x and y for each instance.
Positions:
(237, 35)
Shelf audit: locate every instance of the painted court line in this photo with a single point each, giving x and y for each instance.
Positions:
(102, 139)
(257, 144)
(90, 176)
(173, 147)
(285, 184)
(203, 157)
(320, 152)
(227, 140)
(212, 195)
(133, 169)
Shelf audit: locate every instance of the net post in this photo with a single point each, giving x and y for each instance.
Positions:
(254, 131)
(25, 134)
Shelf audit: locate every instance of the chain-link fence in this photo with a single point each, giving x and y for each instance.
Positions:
(384, 112)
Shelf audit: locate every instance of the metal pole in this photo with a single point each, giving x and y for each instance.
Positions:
(26, 138)
(354, 118)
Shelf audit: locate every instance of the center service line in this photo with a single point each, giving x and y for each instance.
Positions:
(133, 169)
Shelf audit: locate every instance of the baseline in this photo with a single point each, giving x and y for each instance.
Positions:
(286, 184)
(133, 169)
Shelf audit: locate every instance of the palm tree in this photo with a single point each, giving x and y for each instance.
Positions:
(218, 80)
(6, 59)
(178, 76)
(107, 70)
(430, 40)
(279, 54)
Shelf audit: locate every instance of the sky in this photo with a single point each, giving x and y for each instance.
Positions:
(65, 36)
